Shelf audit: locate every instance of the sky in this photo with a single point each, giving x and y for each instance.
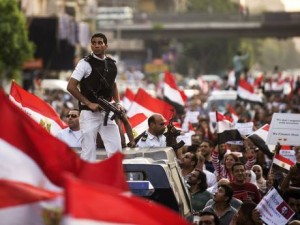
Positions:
(291, 5)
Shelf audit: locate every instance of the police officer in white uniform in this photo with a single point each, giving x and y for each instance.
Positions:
(96, 75)
(154, 136)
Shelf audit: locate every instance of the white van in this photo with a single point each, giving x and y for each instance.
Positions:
(218, 100)
(108, 15)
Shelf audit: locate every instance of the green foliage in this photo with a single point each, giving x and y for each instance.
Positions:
(14, 42)
(207, 56)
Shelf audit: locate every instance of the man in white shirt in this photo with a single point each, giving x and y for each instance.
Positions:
(93, 78)
(71, 135)
(154, 136)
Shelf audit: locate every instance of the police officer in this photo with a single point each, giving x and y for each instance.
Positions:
(154, 136)
(96, 76)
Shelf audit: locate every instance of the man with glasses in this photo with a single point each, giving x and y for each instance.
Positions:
(71, 135)
(154, 137)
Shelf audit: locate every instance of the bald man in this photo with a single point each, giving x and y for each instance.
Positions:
(154, 137)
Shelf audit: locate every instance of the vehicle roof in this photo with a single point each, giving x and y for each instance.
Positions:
(223, 94)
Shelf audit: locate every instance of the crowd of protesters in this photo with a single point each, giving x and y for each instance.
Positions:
(228, 180)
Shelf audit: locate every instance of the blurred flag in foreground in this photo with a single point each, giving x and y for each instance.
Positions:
(36, 108)
(98, 204)
(145, 103)
(22, 203)
(30, 154)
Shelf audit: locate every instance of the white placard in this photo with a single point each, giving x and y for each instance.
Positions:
(244, 128)
(285, 129)
(273, 209)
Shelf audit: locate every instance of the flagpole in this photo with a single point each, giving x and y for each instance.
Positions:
(219, 166)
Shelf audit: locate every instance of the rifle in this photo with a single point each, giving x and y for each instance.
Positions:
(108, 107)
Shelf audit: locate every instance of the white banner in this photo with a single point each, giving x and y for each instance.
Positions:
(284, 129)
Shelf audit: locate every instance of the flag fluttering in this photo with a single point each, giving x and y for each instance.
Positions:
(30, 154)
(148, 105)
(245, 91)
(226, 129)
(36, 108)
(98, 204)
(173, 94)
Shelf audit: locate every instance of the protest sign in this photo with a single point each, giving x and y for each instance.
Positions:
(284, 129)
(273, 209)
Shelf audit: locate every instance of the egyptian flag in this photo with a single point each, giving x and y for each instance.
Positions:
(259, 138)
(288, 152)
(226, 129)
(30, 154)
(245, 92)
(91, 204)
(148, 105)
(139, 124)
(36, 108)
(233, 113)
(22, 203)
(127, 98)
(282, 163)
(172, 94)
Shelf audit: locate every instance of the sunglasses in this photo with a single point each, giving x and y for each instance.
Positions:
(72, 116)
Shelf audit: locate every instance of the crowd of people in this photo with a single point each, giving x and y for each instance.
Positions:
(226, 180)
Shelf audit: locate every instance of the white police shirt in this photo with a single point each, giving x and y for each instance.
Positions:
(152, 141)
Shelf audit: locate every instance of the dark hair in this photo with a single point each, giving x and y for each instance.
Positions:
(237, 164)
(192, 148)
(206, 213)
(245, 211)
(194, 158)
(202, 177)
(100, 35)
(211, 144)
(228, 191)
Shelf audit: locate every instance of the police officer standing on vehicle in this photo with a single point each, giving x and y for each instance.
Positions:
(96, 76)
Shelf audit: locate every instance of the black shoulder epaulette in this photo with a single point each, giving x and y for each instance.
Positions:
(144, 137)
(88, 57)
(110, 59)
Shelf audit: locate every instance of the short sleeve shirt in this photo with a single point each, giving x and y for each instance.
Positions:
(152, 141)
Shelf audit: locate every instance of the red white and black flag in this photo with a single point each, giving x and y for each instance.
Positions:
(259, 138)
(226, 129)
(246, 92)
(282, 163)
(148, 105)
(172, 93)
(36, 108)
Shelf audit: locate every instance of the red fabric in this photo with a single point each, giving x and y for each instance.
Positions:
(101, 203)
(52, 155)
(14, 193)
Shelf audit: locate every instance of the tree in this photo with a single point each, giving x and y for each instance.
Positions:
(15, 45)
